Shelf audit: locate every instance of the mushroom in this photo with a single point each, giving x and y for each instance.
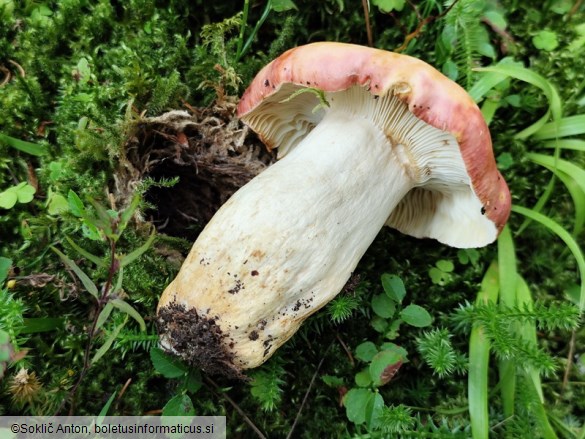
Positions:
(366, 138)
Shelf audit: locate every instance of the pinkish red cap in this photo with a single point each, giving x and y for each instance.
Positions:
(433, 98)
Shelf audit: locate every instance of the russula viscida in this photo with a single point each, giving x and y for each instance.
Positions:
(366, 138)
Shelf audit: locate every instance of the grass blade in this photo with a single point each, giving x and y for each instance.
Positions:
(528, 333)
(24, 146)
(573, 177)
(565, 237)
(555, 106)
(565, 127)
(508, 280)
(479, 357)
(485, 84)
(488, 109)
(575, 186)
(105, 408)
(550, 162)
(573, 144)
(34, 325)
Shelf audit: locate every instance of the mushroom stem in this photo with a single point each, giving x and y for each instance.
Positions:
(286, 243)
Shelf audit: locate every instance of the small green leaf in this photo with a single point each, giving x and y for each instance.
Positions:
(505, 161)
(57, 204)
(104, 214)
(441, 273)
(75, 204)
(22, 192)
(128, 309)
(283, 5)
(333, 381)
(366, 351)
(389, 5)
(379, 324)
(90, 231)
(562, 6)
(383, 306)
(194, 382)
(355, 402)
(90, 256)
(374, 409)
(179, 405)
(467, 255)
(84, 278)
(389, 346)
(439, 277)
(56, 169)
(392, 331)
(362, 378)
(108, 343)
(126, 215)
(416, 315)
(118, 285)
(104, 314)
(450, 70)
(132, 256)
(545, 40)
(83, 70)
(393, 287)
(444, 265)
(25, 192)
(8, 198)
(167, 366)
(514, 101)
(496, 19)
(384, 366)
(449, 37)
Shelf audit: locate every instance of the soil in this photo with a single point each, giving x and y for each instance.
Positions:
(211, 152)
(197, 340)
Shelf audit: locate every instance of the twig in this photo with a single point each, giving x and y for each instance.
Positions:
(575, 7)
(126, 385)
(7, 76)
(346, 349)
(422, 22)
(306, 397)
(368, 27)
(18, 67)
(569, 361)
(236, 406)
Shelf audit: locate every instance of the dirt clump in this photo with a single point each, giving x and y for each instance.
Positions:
(209, 151)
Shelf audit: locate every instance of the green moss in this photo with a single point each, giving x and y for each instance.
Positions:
(81, 97)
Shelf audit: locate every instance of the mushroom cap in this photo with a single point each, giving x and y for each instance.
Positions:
(461, 219)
